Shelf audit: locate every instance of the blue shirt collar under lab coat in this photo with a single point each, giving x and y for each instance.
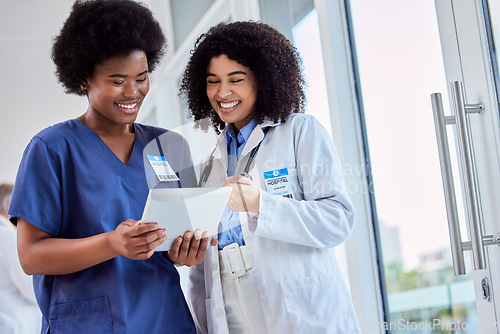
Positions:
(236, 143)
(242, 136)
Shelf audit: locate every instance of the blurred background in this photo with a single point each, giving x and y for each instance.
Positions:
(371, 67)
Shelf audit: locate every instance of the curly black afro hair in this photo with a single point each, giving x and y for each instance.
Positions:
(264, 50)
(100, 29)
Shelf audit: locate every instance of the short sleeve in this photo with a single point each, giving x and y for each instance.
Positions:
(37, 190)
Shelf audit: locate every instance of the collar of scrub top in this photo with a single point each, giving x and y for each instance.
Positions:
(253, 143)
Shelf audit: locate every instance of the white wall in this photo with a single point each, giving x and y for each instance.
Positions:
(32, 99)
(30, 95)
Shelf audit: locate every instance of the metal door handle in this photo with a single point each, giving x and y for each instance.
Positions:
(448, 185)
(469, 175)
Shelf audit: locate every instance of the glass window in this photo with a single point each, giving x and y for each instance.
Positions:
(400, 64)
(185, 15)
(306, 38)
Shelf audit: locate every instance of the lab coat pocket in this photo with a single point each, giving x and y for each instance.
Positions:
(315, 305)
(92, 315)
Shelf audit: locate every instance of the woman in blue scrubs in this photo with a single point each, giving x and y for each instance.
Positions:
(82, 185)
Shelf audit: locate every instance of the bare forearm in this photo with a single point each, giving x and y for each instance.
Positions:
(57, 256)
(42, 254)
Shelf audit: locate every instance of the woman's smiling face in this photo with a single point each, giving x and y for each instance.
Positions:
(232, 90)
(118, 87)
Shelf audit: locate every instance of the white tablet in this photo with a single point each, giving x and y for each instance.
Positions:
(185, 209)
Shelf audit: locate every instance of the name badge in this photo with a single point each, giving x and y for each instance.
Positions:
(278, 183)
(162, 169)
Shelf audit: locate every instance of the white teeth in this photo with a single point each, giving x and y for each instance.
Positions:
(127, 106)
(228, 104)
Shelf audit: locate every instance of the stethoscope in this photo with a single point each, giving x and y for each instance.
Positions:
(206, 171)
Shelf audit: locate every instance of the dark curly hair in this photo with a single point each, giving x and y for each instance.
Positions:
(264, 50)
(100, 29)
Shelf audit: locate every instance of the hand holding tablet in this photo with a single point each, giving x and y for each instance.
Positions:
(185, 209)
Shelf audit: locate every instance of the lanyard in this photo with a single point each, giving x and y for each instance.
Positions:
(206, 172)
(161, 154)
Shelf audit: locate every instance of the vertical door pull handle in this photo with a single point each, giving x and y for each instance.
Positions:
(440, 122)
(474, 214)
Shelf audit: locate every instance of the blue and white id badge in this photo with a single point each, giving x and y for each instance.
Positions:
(278, 183)
(162, 169)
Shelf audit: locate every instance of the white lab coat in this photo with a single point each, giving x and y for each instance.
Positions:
(291, 241)
(19, 312)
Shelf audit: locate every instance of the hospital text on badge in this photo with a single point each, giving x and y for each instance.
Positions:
(162, 169)
(278, 183)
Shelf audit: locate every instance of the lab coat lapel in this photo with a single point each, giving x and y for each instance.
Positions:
(220, 153)
(256, 137)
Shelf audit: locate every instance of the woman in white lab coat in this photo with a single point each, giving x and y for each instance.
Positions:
(275, 269)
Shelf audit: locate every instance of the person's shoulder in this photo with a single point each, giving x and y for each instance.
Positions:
(299, 120)
(152, 132)
(304, 126)
(149, 130)
(301, 117)
(148, 133)
(54, 133)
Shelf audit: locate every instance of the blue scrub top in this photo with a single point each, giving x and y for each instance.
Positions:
(71, 185)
